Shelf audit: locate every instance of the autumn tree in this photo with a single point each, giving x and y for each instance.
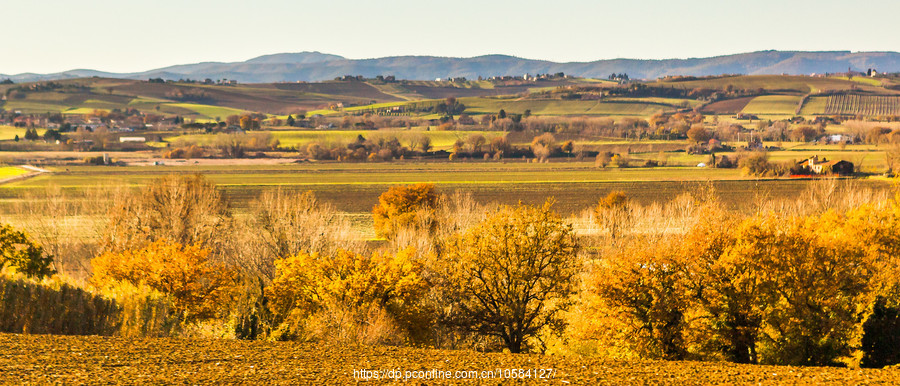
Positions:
(819, 281)
(613, 213)
(188, 210)
(403, 207)
(646, 284)
(543, 146)
(233, 120)
(804, 133)
(698, 134)
(728, 286)
(308, 284)
(511, 275)
(17, 250)
(198, 285)
(283, 223)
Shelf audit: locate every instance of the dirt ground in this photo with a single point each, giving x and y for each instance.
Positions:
(43, 359)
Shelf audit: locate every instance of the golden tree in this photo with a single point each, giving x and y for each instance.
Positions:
(646, 284)
(512, 274)
(198, 286)
(308, 283)
(404, 206)
(613, 213)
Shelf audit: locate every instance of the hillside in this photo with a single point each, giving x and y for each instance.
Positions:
(315, 66)
(775, 95)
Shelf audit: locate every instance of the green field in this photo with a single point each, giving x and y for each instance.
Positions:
(9, 132)
(773, 105)
(814, 106)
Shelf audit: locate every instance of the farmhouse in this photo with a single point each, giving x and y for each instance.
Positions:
(132, 139)
(816, 166)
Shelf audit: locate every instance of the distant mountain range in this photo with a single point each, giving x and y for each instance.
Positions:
(316, 66)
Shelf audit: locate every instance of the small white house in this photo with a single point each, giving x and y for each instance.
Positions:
(132, 139)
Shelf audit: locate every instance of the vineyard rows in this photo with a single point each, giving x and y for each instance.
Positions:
(862, 105)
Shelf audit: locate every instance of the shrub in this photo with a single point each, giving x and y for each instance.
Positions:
(310, 289)
(198, 286)
(18, 251)
(644, 285)
(403, 207)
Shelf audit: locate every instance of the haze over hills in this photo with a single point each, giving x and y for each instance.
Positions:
(316, 66)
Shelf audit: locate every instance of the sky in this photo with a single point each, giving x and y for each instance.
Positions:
(45, 36)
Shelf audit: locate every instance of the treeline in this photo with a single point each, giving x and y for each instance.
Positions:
(805, 282)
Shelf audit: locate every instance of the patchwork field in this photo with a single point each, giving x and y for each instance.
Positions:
(772, 83)
(46, 359)
(355, 188)
(299, 139)
(559, 107)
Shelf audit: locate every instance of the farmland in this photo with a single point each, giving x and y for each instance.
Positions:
(354, 188)
(862, 105)
(540, 107)
(207, 192)
(773, 105)
(65, 359)
(11, 171)
(299, 139)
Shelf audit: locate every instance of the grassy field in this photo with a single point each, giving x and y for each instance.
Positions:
(9, 132)
(773, 105)
(814, 106)
(48, 359)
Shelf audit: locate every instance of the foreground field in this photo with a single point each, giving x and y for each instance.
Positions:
(45, 359)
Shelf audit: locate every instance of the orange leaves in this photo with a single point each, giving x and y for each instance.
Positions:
(197, 285)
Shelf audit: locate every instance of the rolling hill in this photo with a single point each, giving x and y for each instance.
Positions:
(316, 66)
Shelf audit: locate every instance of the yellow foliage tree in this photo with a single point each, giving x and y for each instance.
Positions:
(646, 285)
(613, 213)
(511, 275)
(198, 286)
(307, 283)
(403, 207)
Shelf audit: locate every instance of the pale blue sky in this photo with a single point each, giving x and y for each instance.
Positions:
(124, 36)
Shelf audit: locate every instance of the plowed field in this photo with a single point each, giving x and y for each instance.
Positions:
(43, 359)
